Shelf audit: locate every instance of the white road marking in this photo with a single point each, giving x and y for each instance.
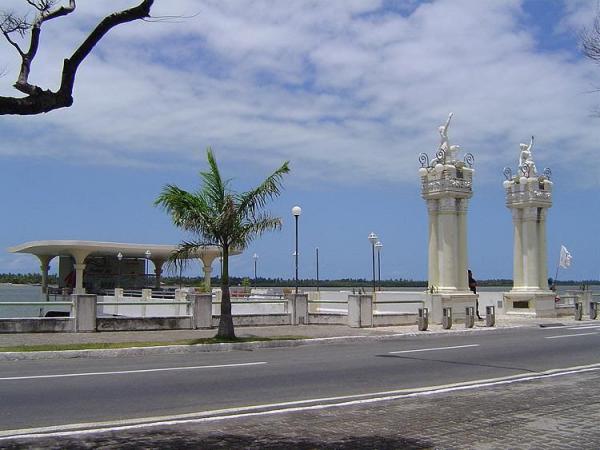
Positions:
(569, 335)
(434, 348)
(122, 372)
(281, 408)
(583, 327)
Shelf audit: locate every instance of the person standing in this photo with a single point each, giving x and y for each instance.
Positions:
(473, 288)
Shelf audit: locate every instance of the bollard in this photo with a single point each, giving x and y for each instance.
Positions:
(578, 310)
(423, 320)
(469, 317)
(447, 318)
(490, 316)
(593, 310)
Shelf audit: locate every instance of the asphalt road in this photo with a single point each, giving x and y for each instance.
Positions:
(46, 393)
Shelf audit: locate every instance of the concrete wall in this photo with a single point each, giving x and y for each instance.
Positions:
(249, 307)
(37, 325)
(327, 319)
(143, 324)
(388, 320)
(491, 299)
(255, 320)
(140, 309)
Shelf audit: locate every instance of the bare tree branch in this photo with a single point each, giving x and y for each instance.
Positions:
(591, 41)
(11, 23)
(38, 100)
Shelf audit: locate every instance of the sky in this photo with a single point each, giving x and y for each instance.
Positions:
(350, 92)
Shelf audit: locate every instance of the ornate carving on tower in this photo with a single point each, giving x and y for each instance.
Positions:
(528, 196)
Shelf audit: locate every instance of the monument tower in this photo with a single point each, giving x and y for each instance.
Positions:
(528, 196)
(446, 186)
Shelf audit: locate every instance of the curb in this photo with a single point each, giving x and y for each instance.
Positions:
(226, 347)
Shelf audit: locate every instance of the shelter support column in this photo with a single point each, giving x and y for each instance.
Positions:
(79, 267)
(207, 260)
(158, 265)
(45, 267)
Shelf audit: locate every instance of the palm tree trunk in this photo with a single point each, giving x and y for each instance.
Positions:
(226, 330)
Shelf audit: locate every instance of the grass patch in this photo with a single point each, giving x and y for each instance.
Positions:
(117, 345)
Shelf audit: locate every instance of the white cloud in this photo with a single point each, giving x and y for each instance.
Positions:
(334, 84)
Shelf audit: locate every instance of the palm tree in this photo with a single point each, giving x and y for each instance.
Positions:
(216, 215)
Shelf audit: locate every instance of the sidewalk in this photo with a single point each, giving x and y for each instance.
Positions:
(300, 331)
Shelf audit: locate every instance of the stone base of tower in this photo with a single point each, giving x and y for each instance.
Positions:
(532, 304)
(458, 301)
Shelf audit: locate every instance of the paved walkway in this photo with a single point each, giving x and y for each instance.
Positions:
(305, 331)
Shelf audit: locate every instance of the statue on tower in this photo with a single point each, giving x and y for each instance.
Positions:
(450, 151)
(526, 163)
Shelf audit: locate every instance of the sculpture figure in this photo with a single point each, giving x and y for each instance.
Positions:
(450, 151)
(526, 163)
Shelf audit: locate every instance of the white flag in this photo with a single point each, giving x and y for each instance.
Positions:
(565, 257)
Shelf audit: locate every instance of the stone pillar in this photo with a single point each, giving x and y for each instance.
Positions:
(517, 249)
(433, 269)
(298, 308)
(85, 308)
(201, 310)
(542, 256)
(360, 311)
(447, 244)
(531, 249)
(462, 277)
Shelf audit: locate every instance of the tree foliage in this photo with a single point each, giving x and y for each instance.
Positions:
(216, 215)
(38, 100)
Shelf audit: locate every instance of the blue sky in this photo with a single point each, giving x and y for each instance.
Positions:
(349, 91)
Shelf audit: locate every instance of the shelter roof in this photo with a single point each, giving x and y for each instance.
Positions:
(96, 248)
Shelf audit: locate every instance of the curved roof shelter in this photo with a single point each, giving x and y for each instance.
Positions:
(80, 250)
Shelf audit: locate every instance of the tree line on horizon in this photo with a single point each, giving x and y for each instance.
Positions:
(36, 278)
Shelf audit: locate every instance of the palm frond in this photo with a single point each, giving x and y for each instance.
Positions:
(251, 201)
(189, 211)
(250, 230)
(214, 188)
(186, 252)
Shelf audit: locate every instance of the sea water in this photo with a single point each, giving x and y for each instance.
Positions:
(20, 293)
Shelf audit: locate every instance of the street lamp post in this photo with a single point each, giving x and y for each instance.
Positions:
(373, 239)
(379, 246)
(317, 251)
(296, 211)
(255, 257)
(148, 254)
(119, 257)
